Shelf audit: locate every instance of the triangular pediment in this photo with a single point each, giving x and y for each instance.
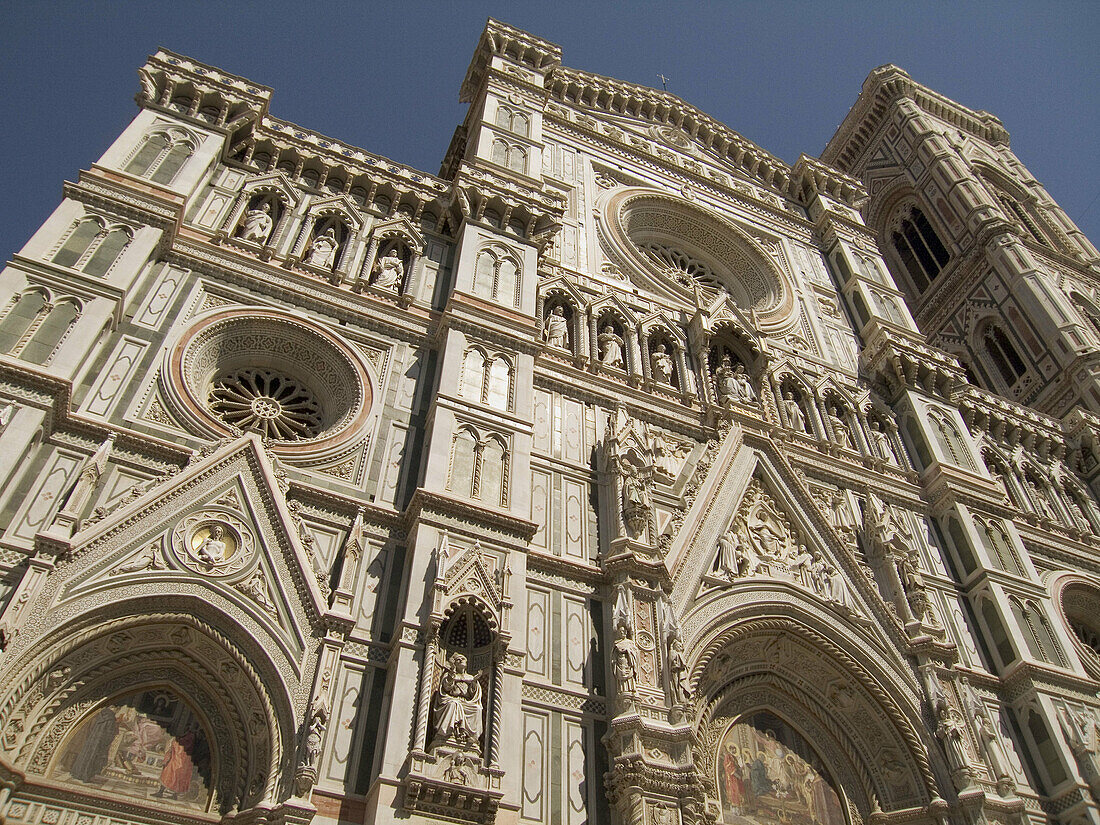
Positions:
(753, 528)
(220, 531)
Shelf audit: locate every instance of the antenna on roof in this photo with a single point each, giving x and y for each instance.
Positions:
(664, 82)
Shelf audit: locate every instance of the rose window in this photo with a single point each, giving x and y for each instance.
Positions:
(273, 405)
(681, 265)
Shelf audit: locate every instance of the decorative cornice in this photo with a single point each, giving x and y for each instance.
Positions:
(883, 87)
(501, 40)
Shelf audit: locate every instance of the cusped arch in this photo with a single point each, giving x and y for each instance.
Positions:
(636, 221)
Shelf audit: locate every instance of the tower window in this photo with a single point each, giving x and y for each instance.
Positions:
(922, 253)
(1004, 356)
(160, 157)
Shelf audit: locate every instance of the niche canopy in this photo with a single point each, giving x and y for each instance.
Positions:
(684, 246)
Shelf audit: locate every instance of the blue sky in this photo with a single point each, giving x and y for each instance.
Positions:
(385, 76)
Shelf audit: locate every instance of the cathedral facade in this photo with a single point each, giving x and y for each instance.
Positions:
(619, 474)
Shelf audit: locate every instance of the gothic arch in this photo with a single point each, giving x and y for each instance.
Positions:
(819, 677)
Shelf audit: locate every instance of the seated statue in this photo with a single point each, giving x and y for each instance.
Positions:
(390, 271)
(458, 708)
(257, 224)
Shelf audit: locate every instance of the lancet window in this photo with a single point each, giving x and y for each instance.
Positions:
(1004, 355)
(487, 379)
(920, 249)
(35, 326)
(511, 155)
(512, 120)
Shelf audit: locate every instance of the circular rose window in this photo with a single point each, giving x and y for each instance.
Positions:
(259, 370)
(1081, 609)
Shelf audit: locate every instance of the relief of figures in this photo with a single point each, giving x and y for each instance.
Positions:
(147, 745)
(767, 773)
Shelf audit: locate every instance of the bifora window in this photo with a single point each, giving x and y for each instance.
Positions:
(920, 249)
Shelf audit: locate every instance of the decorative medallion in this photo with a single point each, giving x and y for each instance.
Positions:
(213, 543)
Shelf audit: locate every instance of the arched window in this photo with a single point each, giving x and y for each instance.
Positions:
(160, 156)
(497, 277)
(78, 242)
(463, 454)
(919, 248)
(1004, 355)
(491, 480)
(992, 621)
(51, 332)
(950, 442)
(1000, 546)
(511, 155)
(24, 312)
(1089, 311)
(479, 467)
(487, 380)
(473, 374)
(1015, 210)
(513, 121)
(498, 385)
(93, 247)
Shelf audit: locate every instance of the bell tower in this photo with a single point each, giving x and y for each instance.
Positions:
(994, 270)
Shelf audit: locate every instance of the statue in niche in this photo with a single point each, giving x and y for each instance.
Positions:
(212, 549)
(390, 271)
(882, 443)
(745, 392)
(322, 251)
(458, 712)
(733, 383)
(678, 673)
(257, 224)
(989, 740)
(841, 433)
(555, 329)
(661, 364)
(611, 348)
(794, 412)
(625, 660)
(636, 500)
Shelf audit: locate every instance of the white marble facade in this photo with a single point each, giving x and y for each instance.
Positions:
(621, 474)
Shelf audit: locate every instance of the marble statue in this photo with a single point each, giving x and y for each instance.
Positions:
(555, 329)
(322, 251)
(458, 708)
(841, 433)
(625, 660)
(794, 412)
(257, 224)
(212, 549)
(661, 364)
(390, 271)
(611, 348)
